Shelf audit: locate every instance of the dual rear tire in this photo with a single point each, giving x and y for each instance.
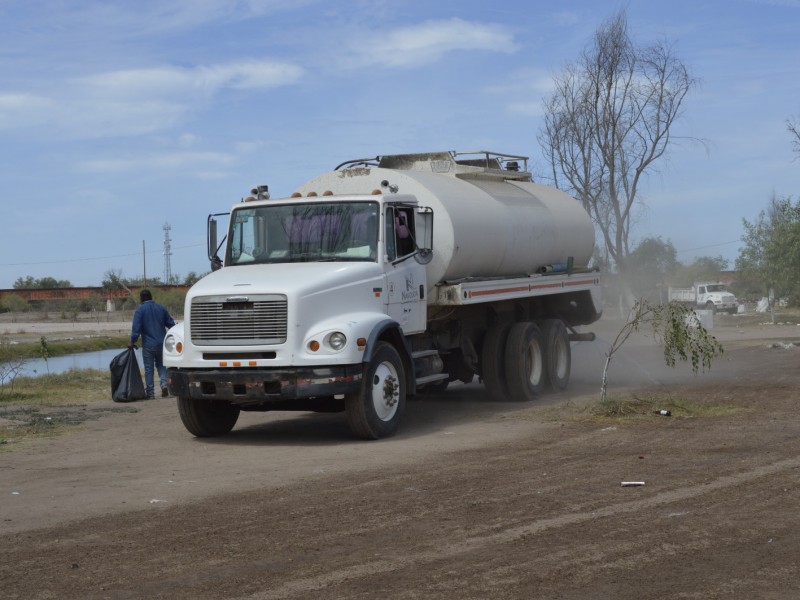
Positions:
(522, 360)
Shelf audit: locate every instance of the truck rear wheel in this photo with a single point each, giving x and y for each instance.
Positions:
(374, 412)
(558, 354)
(493, 362)
(524, 359)
(207, 418)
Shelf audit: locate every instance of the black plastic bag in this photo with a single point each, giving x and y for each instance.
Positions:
(126, 380)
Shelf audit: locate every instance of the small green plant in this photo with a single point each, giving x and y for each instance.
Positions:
(679, 331)
(44, 351)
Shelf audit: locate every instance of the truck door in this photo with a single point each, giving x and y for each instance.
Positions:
(405, 277)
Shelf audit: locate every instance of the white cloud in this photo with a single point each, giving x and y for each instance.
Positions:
(523, 91)
(161, 81)
(19, 109)
(148, 17)
(205, 161)
(427, 42)
(136, 101)
(528, 109)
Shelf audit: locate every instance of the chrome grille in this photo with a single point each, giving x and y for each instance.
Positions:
(238, 320)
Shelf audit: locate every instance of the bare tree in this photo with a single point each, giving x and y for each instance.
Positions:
(608, 120)
(793, 125)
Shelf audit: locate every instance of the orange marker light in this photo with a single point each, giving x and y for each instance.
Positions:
(313, 345)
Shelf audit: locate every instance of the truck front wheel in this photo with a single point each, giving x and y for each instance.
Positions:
(525, 369)
(207, 418)
(374, 412)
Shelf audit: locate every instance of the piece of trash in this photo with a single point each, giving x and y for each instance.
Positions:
(609, 429)
(632, 483)
(664, 413)
(15, 493)
(155, 501)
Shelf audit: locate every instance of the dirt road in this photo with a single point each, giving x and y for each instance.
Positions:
(472, 499)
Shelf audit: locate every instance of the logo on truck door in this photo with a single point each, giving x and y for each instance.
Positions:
(411, 292)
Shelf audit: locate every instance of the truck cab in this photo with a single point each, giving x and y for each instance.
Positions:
(306, 287)
(715, 296)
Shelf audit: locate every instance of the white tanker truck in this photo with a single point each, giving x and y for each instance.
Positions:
(385, 278)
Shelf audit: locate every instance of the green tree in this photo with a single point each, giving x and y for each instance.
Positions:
(13, 303)
(112, 280)
(191, 278)
(676, 327)
(704, 268)
(29, 283)
(649, 265)
(771, 255)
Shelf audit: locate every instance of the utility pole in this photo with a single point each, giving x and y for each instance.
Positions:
(144, 265)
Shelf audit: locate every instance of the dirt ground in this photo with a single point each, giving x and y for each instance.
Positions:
(471, 500)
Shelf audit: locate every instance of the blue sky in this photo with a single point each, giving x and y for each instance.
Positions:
(119, 117)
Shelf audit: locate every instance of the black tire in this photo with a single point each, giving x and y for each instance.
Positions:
(374, 412)
(524, 360)
(557, 354)
(712, 307)
(493, 362)
(207, 418)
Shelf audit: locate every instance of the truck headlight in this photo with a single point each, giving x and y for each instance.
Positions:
(337, 340)
(172, 344)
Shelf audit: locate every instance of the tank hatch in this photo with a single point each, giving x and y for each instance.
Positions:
(464, 165)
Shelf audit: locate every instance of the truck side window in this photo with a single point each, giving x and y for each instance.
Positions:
(404, 230)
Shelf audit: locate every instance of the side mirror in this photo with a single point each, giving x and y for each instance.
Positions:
(211, 239)
(424, 230)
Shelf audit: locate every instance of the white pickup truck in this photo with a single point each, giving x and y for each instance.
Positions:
(711, 296)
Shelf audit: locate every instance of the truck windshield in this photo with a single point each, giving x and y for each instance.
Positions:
(715, 288)
(316, 231)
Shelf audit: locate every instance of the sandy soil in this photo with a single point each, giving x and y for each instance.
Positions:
(472, 499)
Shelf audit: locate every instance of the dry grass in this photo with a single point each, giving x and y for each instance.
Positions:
(40, 407)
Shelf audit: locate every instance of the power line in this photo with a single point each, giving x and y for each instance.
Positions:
(711, 246)
(73, 260)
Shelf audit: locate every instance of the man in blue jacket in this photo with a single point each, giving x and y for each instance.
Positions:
(151, 321)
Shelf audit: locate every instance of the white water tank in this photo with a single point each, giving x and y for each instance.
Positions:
(487, 222)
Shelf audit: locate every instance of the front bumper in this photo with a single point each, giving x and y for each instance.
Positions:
(250, 386)
(726, 306)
